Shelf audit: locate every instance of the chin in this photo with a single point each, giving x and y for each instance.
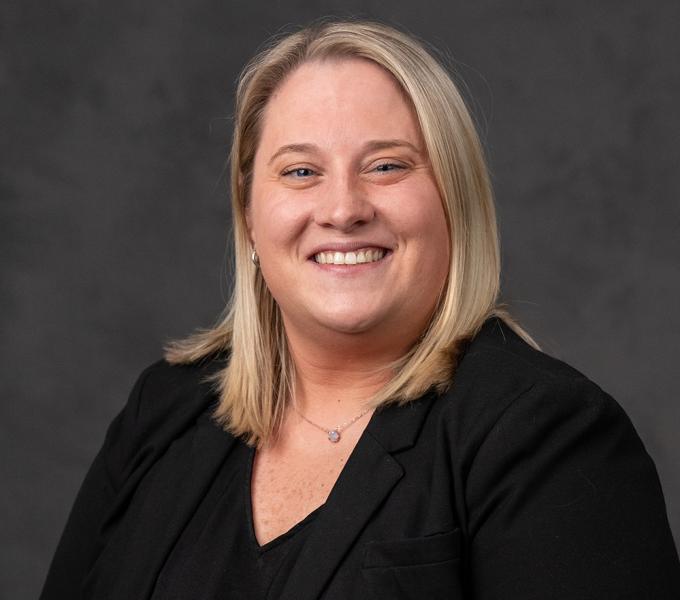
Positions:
(349, 324)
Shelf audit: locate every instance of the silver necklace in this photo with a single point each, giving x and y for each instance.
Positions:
(333, 434)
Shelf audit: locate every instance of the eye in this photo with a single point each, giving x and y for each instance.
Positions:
(388, 166)
(299, 173)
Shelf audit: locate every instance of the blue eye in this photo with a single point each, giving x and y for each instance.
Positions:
(384, 167)
(300, 172)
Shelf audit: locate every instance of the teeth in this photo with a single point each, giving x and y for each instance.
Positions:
(365, 255)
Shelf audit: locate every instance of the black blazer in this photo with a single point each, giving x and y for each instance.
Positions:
(523, 481)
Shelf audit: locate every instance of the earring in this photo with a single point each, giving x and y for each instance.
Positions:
(255, 258)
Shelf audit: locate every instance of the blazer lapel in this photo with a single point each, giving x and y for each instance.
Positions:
(132, 562)
(366, 480)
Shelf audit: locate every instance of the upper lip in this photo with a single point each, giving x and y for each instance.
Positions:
(346, 247)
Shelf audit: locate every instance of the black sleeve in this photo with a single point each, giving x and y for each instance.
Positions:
(564, 503)
(84, 533)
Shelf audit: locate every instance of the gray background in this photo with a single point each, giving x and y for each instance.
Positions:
(115, 126)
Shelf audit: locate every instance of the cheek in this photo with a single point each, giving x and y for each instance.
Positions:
(422, 223)
(422, 220)
(275, 220)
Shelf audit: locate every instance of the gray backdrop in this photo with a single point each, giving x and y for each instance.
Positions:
(114, 213)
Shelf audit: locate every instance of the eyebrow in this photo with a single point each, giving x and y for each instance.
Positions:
(292, 148)
(369, 146)
(385, 144)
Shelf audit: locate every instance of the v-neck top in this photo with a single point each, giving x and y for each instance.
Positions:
(217, 556)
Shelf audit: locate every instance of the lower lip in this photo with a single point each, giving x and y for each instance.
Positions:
(350, 269)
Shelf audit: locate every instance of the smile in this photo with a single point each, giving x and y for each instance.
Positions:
(358, 257)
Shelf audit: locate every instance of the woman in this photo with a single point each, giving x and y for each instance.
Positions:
(365, 422)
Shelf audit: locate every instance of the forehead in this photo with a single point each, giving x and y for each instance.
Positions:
(338, 100)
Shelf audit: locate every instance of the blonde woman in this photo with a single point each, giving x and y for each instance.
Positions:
(365, 421)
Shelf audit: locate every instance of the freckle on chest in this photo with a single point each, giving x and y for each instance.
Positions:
(285, 491)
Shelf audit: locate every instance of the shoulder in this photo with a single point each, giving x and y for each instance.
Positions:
(165, 392)
(502, 383)
(165, 401)
(497, 350)
(163, 388)
(550, 471)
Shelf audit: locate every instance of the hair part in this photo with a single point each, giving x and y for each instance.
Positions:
(258, 382)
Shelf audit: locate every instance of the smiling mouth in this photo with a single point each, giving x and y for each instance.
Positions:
(357, 257)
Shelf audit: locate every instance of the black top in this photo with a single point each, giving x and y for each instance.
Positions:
(217, 555)
(524, 481)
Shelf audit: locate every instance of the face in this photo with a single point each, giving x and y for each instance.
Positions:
(344, 211)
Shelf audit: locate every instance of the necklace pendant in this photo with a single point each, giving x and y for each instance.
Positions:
(334, 436)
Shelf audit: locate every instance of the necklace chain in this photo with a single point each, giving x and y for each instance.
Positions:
(333, 434)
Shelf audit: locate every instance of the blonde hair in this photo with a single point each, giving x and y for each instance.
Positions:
(257, 382)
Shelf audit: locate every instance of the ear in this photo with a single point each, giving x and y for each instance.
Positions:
(246, 210)
(251, 235)
(249, 225)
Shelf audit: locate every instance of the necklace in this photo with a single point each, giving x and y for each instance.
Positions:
(333, 434)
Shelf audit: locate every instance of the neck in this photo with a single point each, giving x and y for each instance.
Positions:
(335, 375)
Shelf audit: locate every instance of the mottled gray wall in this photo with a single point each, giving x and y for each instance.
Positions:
(115, 124)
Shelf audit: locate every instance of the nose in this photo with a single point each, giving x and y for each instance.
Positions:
(344, 205)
